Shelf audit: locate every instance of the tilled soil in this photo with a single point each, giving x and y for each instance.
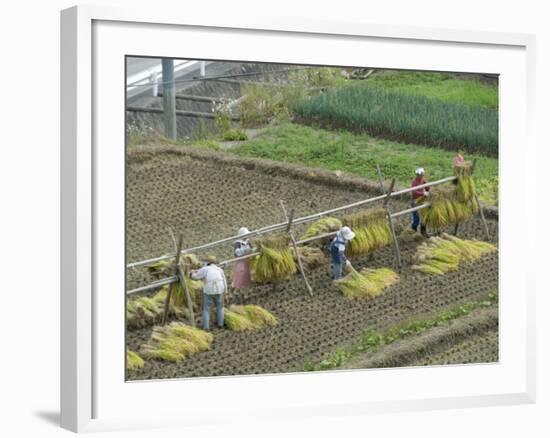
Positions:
(208, 200)
(469, 339)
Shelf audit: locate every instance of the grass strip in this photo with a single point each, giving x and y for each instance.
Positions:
(372, 340)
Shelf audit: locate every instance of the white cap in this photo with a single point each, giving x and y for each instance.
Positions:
(420, 171)
(346, 233)
(242, 231)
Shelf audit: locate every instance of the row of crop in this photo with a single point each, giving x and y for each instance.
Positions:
(406, 118)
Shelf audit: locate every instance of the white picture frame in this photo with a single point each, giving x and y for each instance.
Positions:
(93, 397)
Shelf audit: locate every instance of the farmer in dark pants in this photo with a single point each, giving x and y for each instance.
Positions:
(337, 251)
(215, 285)
(418, 180)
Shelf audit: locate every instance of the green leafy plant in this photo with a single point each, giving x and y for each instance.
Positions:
(404, 117)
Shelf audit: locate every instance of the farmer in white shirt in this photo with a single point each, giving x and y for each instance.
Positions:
(215, 285)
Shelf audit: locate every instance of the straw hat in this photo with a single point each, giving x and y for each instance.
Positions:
(346, 233)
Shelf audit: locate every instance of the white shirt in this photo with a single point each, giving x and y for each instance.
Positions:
(214, 279)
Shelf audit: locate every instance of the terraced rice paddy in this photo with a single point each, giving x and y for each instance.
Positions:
(208, 196)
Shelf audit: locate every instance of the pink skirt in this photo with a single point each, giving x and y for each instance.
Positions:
(241, 274)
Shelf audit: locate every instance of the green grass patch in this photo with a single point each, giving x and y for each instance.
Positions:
(403, 117)
(359, 153)
(372, 340)
(441, 86)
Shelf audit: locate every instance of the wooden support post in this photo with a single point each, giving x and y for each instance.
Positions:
(396, 249)
(171, 288)
(380, 179)
(481, 214)
(183, 281)
(293, 239)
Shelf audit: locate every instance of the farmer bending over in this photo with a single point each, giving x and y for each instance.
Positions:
(215, 285)
(418, 180)
(337, 251)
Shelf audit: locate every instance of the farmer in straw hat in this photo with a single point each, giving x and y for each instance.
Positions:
(215, 285)
(418, 180)
(337, 251)
(241, 271)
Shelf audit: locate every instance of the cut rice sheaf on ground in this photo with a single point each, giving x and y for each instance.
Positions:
(249, 317)
(366, 284)
(176, 342)
(134, 361)
(440, 255)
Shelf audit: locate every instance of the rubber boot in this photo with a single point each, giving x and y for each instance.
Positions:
(415, 228)
(423, 231)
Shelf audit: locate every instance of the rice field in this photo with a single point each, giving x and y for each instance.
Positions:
(162, 188)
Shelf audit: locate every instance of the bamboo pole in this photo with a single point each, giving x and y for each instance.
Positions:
(282, 226)
(170, 289)
(183, 281)
(410, 210)
(396, 249)
(293, 239)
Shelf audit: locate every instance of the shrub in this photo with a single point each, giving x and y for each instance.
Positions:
(234, 135)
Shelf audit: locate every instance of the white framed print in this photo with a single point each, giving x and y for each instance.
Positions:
(311, 218)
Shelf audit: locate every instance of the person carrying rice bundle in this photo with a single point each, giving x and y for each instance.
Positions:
(215, 285)
(415, 195)
(337, 251)
(241, 271)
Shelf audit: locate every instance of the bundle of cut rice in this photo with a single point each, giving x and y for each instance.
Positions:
(440, 255)
(134, 361)
(465, 187)
(187, 261)
(175, 342)
(249, 317)
(445, 208)
(322, 226)
(144, 311)
(312, 257)
(275, 261)
(371, 228)
(368, 283)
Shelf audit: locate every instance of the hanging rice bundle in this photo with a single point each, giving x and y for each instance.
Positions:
(371, 228)
(322, 226)
(368, 283)
(176, 342)
(440, 255)
(445, 208)
(144, 311)
(187, 261)
(249, 317)
(465, 187)
(179, 298)
(275, 261)
(312, 257)
(134, 361)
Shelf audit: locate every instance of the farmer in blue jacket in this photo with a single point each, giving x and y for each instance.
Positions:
(337, 251)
